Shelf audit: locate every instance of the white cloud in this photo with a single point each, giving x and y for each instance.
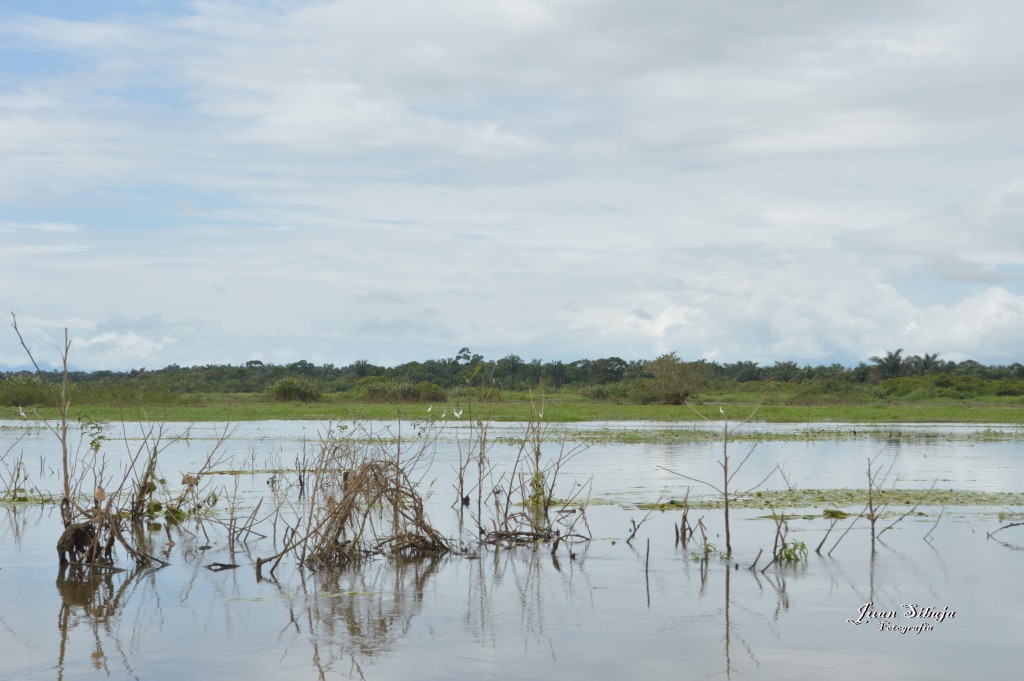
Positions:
(353, 180)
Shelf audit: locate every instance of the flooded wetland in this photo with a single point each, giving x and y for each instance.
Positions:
(572, 551)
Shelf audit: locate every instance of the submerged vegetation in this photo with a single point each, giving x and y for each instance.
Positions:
(831, 500)
(357, 495)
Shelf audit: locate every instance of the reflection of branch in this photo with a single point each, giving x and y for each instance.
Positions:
(724, 463)
(936, 524)
(835, 521)
(738, 467)
(1012, 547)
(912, 509)
(763, 480)
(850, 527)
(100, 601)
(1004, 527)
(687, 477)
(636, 525)
(869, 507)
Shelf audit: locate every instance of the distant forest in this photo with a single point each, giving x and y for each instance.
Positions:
(666, 379)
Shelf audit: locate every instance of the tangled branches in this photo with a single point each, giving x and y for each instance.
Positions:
(363, 500)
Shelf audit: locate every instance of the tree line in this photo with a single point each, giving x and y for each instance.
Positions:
(665, 379)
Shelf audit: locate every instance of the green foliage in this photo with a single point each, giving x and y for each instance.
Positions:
(793, 552)
(606, 391)
(384, 389)
(1008, 387)
(175, 515)
(669, 380)
(538, 492)
(706, 550)
(889, 366)
(429, 392)
(293, 389)
(23, 390)
(829, 390)
(94, 432)
(950, 386)
(592, 387)
(123, 393)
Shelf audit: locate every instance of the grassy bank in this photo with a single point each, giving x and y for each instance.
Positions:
(516, 406)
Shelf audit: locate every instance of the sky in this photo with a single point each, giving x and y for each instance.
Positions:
(392, 180)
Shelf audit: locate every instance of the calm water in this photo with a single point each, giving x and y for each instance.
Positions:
(514, 613)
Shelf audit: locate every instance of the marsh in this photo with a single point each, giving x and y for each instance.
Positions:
(595, 609)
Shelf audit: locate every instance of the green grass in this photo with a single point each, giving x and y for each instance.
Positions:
(557, 407)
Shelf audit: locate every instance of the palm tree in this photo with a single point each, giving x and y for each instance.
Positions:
(929, 363)
(890, 366)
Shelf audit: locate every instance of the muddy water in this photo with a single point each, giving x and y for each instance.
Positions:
(613, 611)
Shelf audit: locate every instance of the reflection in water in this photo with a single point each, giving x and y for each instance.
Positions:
(17, 520)
(777, 582)
(358, 613)
(372, 613)
(728, 625)
(93, 597)
(523, 612)
(496, 616)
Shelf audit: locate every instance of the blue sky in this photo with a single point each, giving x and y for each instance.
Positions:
(214, 182)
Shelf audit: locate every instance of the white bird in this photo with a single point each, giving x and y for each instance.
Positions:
(540, 415)
(22, 412)
(445, 412)
(430, 408)
(720, 410)
(458, 413)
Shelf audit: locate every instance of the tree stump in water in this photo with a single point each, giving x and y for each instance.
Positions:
(76, 540)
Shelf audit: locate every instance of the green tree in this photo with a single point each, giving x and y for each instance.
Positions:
(292, 388)
(783, 372)
(743, 372)
(608, 370)
(890, 366)
(673, 381)
(361, 368)
(506, 370)
(554, 373)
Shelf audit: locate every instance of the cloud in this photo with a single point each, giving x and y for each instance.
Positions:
(17, 228)
(993, 318)
(349, 180)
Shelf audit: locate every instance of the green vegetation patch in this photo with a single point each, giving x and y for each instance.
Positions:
(834, 498)
(752, 434)
(23, 499)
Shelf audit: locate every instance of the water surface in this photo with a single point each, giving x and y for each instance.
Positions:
(613, 610)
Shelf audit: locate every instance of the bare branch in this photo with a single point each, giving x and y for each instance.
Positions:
(669, 470)
(21, 339)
